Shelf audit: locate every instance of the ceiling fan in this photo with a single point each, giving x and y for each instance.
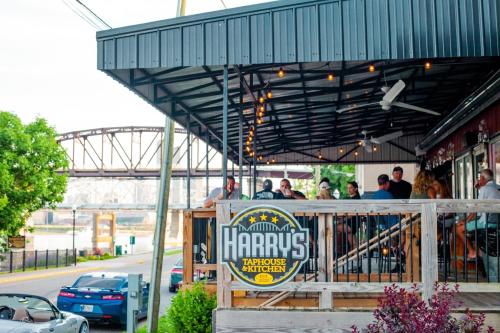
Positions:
(367, 144)
(388, 101)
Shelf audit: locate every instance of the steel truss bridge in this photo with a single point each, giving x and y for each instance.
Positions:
(137, 152)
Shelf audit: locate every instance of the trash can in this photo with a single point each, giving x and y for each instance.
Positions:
(118, 250)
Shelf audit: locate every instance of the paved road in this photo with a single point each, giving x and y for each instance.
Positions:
(47, 282)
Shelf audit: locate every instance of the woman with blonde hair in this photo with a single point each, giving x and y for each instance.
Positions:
(422, 186)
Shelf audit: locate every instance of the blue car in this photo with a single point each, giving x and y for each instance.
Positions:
(100, 297)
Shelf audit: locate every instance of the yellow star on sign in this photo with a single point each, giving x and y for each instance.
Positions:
(274, 219)
(252, 219)
(263, 217)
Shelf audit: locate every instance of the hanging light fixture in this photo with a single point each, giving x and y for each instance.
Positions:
(281, 72)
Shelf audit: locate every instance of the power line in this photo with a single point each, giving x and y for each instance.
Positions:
(95, 21)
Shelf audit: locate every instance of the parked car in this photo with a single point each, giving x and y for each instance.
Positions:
(100, 297)
(21, 313)
(175, 276)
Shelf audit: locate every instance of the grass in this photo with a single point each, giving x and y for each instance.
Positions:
(172, 252)
(162, 326)
(105, 256)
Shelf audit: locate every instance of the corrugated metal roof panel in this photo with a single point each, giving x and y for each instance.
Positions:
(326, 30)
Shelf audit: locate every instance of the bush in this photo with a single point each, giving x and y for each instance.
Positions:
(403, 311)
(190, 311)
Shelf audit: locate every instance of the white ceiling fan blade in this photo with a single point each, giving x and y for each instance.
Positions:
(355, 107)
(395, 90)
(416, 108)
(387, 137)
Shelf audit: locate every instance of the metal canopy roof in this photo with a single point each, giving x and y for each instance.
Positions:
(179, 60)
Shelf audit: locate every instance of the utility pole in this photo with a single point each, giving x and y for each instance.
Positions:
(161, 214)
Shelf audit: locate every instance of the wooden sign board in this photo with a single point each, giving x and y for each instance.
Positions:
(17, 242)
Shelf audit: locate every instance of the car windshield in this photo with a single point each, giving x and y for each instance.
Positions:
(28, 302)
(98, 282)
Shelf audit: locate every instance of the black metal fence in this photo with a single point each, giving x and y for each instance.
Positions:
(14, 261)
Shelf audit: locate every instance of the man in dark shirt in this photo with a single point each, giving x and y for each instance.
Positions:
(267, 192)
(399, 188)
(288, 193)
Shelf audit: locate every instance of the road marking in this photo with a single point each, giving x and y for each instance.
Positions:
(16, 279)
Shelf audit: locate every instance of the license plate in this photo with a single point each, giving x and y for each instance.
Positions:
(87, 308)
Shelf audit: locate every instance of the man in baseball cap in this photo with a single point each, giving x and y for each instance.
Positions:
(267, 192)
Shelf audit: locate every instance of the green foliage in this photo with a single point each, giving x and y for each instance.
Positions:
(338, 174)
(29, 160)
(191, 311)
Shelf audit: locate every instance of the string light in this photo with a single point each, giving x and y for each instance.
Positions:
(356, 153)
(261, 99)
(281, 72)
(251, 154)
(427, 65)
(259, 121)
(267, 162)
(341, 150)
(374, 148)
(250, 133)
(261, 114)
(273, 161)
(269, 94)
(360, 143)
(261, 108)
(330, 77)
(248, 149)
(371, 68)
(260, 158)
(250, 138)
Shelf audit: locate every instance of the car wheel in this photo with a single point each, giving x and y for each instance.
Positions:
(84, 328)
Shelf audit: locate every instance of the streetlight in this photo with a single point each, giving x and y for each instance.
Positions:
(73, 208)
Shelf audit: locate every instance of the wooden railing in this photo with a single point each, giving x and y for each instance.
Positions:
(417, 222)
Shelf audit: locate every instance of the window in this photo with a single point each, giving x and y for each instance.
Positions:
(495, 150)
(464, 177)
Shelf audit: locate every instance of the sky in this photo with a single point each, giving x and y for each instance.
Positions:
(48, 61)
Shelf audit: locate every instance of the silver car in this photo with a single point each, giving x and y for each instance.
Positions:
(20, 313)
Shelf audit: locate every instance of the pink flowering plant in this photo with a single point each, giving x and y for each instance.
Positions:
(403, 311)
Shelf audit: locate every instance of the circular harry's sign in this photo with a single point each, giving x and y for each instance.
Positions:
(264, 246)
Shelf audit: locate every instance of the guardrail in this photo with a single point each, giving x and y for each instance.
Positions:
(13, 261)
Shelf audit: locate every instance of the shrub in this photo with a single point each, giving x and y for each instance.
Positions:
(191, 311)
(403, 311)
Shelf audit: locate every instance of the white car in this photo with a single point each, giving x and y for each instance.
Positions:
(20, 313)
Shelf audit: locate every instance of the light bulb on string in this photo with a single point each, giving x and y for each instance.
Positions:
(261, 108)
(259, 121)
(261, 99)
(341, 150)
(281, 72)
(374, 148)
(356, 153)
(427, 65)
(260, 158)
(250, 133)
(371, 68)
(260, 114)
(273, 160)
(330, 77)
(267, 162)
(269, 94)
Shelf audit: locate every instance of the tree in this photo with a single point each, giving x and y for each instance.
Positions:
(338, 174)
(30, 159)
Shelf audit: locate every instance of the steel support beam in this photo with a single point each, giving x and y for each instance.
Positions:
(224, 131)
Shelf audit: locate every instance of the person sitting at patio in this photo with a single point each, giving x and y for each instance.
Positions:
(288, 193)
(324, 190)
(488, 190)
(399, 188)
(422, 186)
(352, 189)
(385, 222)
(233, 193)
(383, 188)
(267, 192)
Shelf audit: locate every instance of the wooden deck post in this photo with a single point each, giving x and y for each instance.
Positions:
(322, 255)
(224, 295)
(429, 249)
(187, 246)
